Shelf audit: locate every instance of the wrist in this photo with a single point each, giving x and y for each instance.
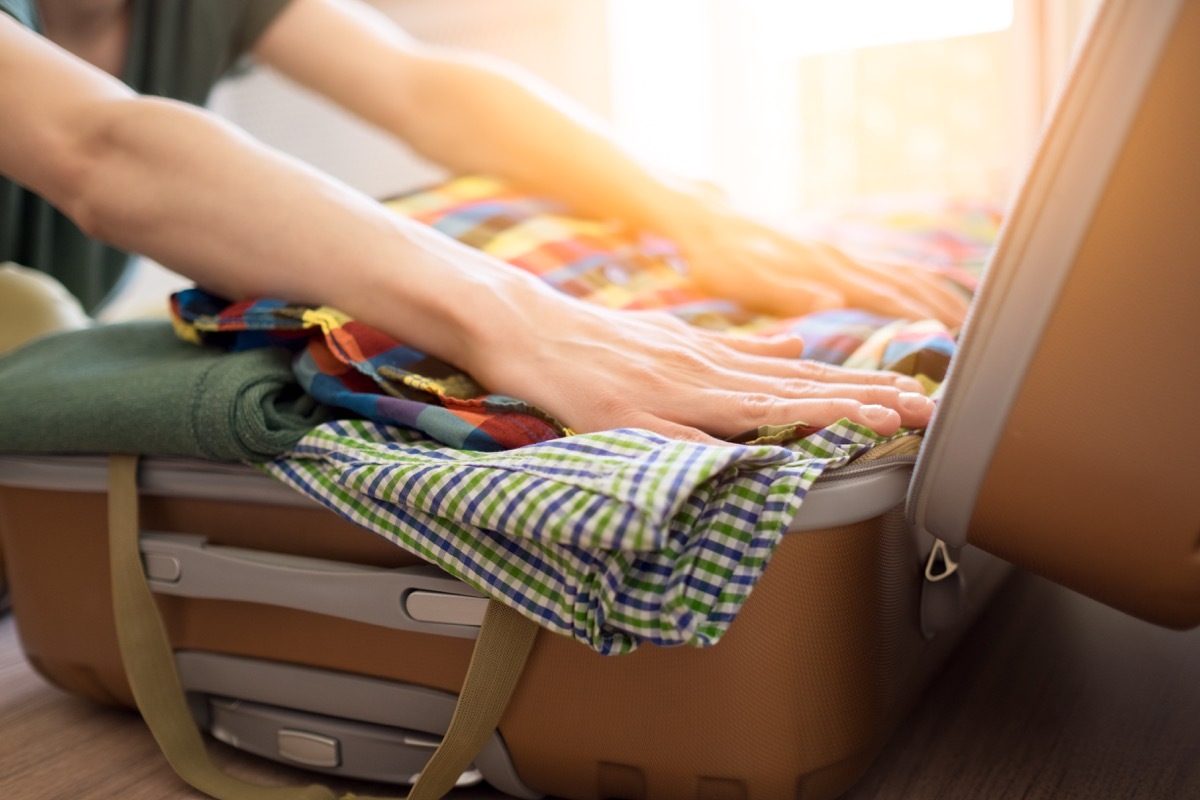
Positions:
(448, 300)
(683, 210)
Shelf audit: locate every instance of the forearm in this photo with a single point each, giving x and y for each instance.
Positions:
(480, 116)
(194, 193)
(468, 112)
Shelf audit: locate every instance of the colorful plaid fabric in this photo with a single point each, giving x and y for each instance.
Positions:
(349, 365)
(352, 366)
(604, 263)
(953, 234)
(611, 538)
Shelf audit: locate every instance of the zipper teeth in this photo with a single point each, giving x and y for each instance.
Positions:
(860, 468)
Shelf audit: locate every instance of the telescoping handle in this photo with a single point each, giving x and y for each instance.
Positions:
(419, 598)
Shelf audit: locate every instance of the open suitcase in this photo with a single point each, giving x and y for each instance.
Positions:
(303, 638)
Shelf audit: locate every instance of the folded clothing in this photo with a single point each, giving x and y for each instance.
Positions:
(137, 388)
(360, 369)
(611, 538)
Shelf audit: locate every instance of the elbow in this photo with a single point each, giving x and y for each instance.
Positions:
(73, 176)
(62, 176)
(81, 201)
(95, 180)
(84, 172)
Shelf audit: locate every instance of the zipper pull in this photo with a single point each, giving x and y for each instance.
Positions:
(940, 564)
(943, 592)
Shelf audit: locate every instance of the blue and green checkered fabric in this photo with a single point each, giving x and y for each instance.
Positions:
(611, 538)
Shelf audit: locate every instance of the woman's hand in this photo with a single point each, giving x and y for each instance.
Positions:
(735, 257)
(594, 368)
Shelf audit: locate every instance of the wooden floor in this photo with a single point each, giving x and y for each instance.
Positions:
(1050, 696)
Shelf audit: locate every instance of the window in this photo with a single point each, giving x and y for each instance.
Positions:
(792, 104)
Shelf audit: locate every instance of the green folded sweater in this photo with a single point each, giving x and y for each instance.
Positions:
(137, 388)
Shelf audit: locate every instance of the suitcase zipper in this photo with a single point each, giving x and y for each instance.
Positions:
(857, 469)
(943, 592)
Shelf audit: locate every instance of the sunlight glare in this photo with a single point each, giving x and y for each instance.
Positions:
(805, 27)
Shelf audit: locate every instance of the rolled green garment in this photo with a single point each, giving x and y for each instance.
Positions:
(137, 388)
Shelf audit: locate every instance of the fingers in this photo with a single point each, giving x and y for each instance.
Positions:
(819, 372)
(822, 404)
(604, 369)
(907, 291)
(727, 391)
(734, 257)
(780, 357)
(774, 291)
(741, 394)
(726, 401)
(874, 290)
(702, 416)
(915, 409)
(786, 348)
(731, 413)
(949, 303)
(828, 373)
(946, 303)
(673, 430)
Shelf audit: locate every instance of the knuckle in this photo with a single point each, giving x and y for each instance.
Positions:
(757, 406)
(687, 360)
(839, 408)
(686, 434)
(643, 374)
(882, 395)
(832, 410)
(817, 371)
(802, 387)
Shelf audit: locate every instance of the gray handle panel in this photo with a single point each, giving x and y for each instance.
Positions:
(188, 566)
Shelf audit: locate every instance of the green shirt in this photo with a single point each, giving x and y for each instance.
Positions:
(177, 49)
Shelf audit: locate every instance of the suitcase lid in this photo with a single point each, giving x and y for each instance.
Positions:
(1066, 436)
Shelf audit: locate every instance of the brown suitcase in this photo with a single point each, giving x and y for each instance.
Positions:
(865, 596)
(820, 664)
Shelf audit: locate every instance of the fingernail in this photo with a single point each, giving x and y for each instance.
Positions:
(876, 413)
(907, 384)
(915, 403)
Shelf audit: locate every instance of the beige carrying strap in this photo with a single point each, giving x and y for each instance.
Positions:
(504, 643)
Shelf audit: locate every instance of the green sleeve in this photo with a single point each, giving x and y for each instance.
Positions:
(22, 10)
(256, 18)
(181, 48)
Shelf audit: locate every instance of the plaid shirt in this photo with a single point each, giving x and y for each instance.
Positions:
(611, 538)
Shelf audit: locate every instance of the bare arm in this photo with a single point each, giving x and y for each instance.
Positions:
(177, 184)
(473, 114)
(465, 111)
(173, 182)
